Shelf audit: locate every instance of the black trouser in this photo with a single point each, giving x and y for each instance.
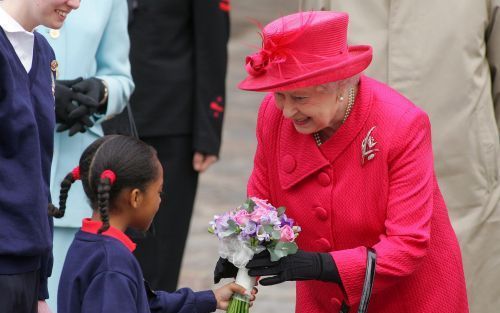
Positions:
(19, 293)
(160, 254)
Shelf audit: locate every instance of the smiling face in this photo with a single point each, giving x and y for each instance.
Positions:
(53, 13)
(311, 109)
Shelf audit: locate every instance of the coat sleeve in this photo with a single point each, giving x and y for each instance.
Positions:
(110, 292)
(258, 183)
(112, 58)
(46, 265)
(410, 206)
(211, 33)
(182, 301)
(493, 54)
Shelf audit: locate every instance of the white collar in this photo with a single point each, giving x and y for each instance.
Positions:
(10, 25)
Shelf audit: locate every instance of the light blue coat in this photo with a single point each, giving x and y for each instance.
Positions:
(93, 42)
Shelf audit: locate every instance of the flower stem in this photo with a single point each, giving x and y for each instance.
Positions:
(241, 303)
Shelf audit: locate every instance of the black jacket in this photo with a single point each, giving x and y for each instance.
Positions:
(179, 59)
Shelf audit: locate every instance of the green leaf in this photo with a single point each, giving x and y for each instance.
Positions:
(211, 230)
(276, 235)
(282, 249)
(233, 228)
(249, 205)
(268, 229)
(281, 210)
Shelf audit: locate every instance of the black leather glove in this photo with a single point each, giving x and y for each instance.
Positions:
(299, 266)
(64, 99)
(224, 269)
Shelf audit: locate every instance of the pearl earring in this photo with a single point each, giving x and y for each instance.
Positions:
(341, 98)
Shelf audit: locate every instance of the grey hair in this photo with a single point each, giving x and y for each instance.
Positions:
(344, 84)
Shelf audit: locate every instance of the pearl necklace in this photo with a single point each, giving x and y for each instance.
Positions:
(350, 103)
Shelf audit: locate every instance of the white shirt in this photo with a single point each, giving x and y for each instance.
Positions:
(21, 40)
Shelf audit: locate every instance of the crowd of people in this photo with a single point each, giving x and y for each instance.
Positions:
(394, 217)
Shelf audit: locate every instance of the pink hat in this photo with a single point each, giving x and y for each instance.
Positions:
(304, 49)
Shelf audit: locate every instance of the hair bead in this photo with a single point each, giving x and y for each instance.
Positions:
(76, 173)
(109, 174)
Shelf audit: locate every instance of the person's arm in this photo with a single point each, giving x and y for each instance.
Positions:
(405, 242)
(182, 301)
(113, 65)
(111, 292)
(46, 269)
(211, 34)
(493, 54)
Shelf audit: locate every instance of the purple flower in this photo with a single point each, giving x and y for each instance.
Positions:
(286, 221)
(249, 230)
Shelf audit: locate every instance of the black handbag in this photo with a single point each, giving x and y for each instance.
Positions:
(371, 262)
(121, 124)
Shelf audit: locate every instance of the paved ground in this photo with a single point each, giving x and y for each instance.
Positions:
(224, 185)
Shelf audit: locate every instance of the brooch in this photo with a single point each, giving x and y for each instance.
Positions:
(368, 147)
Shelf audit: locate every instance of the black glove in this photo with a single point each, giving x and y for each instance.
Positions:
(299, 266)
(82, 92)
(64, 99)
(93, 88)
(224, 269)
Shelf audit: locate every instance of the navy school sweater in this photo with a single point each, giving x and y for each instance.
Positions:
(100, 274)
(26, 140)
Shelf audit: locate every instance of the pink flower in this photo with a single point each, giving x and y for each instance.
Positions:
(258, 213)
(287, 234)
(241, 217)
(262, 203)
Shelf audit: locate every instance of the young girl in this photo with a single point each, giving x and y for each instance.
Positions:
(123, 180)
(27, 74)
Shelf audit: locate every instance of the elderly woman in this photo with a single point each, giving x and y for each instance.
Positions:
(351, 159)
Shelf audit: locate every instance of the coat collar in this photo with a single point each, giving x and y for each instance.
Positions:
(300, 157)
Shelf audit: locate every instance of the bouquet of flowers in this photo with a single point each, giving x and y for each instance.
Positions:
(249, 229)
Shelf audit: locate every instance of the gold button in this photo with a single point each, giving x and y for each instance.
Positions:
(55, 33)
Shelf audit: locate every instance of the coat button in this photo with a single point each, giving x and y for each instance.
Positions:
(54, 33)
(321, 213)
(324, 179)
(288, 164)
(324, 245)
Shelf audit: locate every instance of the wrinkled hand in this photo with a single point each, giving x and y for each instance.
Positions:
(223, 294)
(224, 269)
(201, 162)
(43, 307)
(299, 266)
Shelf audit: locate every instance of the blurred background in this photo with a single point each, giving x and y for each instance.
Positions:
(223, 186)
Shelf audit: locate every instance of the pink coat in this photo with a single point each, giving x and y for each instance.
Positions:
(371, 184)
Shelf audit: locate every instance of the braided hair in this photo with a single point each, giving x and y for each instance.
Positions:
(109, 165)
(68, 180)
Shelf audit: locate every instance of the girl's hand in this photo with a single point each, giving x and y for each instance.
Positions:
(224, 293)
